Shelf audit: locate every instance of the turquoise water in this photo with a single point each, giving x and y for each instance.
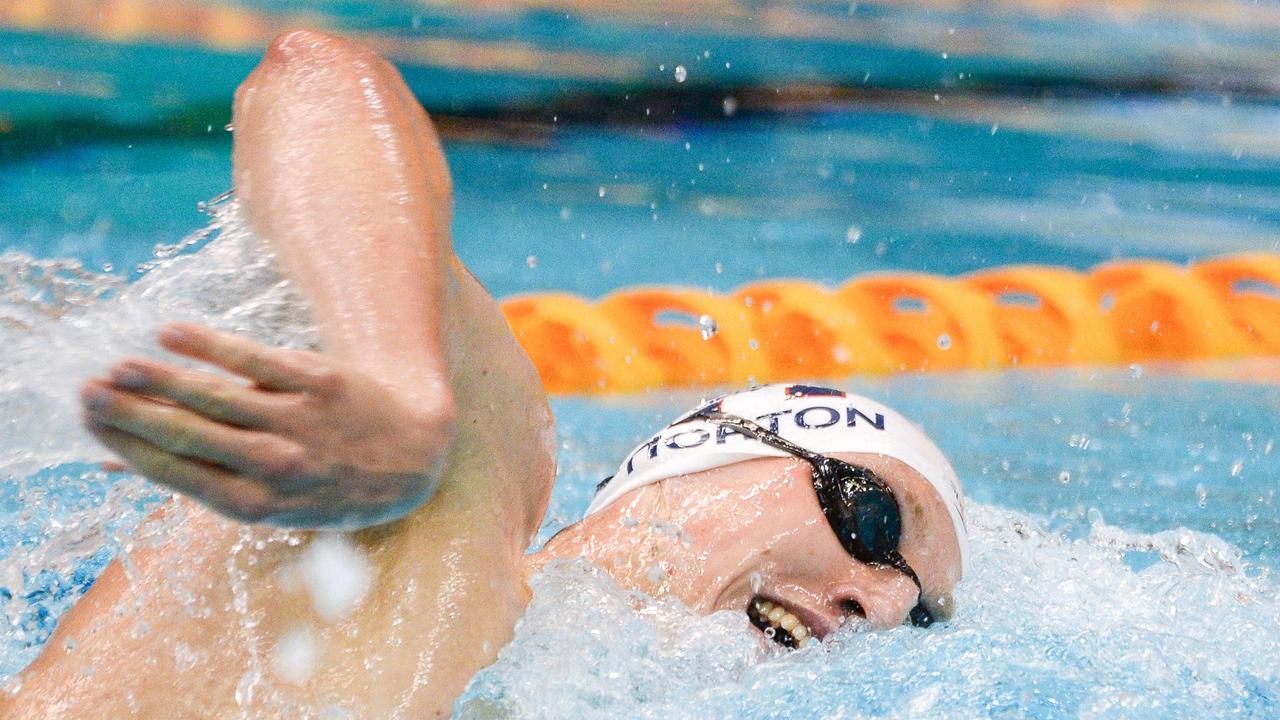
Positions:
(1125, 519)
(715, 204)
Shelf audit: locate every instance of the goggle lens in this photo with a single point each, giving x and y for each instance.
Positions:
(859, 507)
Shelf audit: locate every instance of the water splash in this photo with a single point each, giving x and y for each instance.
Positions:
(1047, 627)
(63, 517)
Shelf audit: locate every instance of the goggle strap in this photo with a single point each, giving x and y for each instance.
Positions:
(920, 614)
(756, 431)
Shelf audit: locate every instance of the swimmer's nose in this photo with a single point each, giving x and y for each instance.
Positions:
(882, 596)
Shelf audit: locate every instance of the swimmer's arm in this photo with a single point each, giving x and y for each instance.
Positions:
(300, 440)
(326, 147)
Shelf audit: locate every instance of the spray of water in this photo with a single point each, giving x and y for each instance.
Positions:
(63, 516)
(1047, 627)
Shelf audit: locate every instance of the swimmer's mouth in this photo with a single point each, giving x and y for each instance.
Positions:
(778, 623)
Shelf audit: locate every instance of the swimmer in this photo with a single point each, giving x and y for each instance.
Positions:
(422, 427)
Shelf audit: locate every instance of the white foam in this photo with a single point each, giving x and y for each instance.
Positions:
(1046, 627)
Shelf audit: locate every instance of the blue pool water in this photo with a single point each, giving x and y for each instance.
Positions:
(1126, 525)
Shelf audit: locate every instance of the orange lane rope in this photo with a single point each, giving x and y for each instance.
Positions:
(1120, 312)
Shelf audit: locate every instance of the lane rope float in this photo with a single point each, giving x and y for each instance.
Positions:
(1022, 315)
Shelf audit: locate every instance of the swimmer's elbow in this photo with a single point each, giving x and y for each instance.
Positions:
(315, 49)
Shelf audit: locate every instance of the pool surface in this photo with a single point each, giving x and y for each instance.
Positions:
(1126, 529)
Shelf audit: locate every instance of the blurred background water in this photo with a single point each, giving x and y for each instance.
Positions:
(1126, 519)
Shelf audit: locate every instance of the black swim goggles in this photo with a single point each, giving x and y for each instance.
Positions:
(858, 505)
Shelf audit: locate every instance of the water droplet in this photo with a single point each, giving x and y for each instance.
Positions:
(1135, 370)
(1236, 468)
(757, 582)
(729, 104)
(1064, 477)
(565, 213)
(753, 344)
(601, 191)
(719, 268)
(1201, 495)
(229, 127)
(531, 261)
(244, 688)
(853, 234)
(995, 128)
(944, 342)
(681, 74)
(708, 326)
(656, 573)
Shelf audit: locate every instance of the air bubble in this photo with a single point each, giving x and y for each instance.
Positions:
(853, 234)
(531, 261)
(944, 342)
(681, 74)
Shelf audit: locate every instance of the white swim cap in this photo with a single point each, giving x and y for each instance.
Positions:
(816, 418)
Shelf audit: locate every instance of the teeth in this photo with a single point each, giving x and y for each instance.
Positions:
(776, 617)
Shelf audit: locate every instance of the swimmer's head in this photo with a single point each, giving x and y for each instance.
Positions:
(721, 510)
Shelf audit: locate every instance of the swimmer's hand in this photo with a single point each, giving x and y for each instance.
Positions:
(306, 442)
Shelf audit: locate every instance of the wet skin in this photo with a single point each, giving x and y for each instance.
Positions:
(338, 168)
(712, 532)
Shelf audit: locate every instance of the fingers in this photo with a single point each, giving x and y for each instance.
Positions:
(272, 368)
(217, 398)
(182, 433)
(225, 492)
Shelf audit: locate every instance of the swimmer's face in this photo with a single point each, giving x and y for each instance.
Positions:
(761, 544)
